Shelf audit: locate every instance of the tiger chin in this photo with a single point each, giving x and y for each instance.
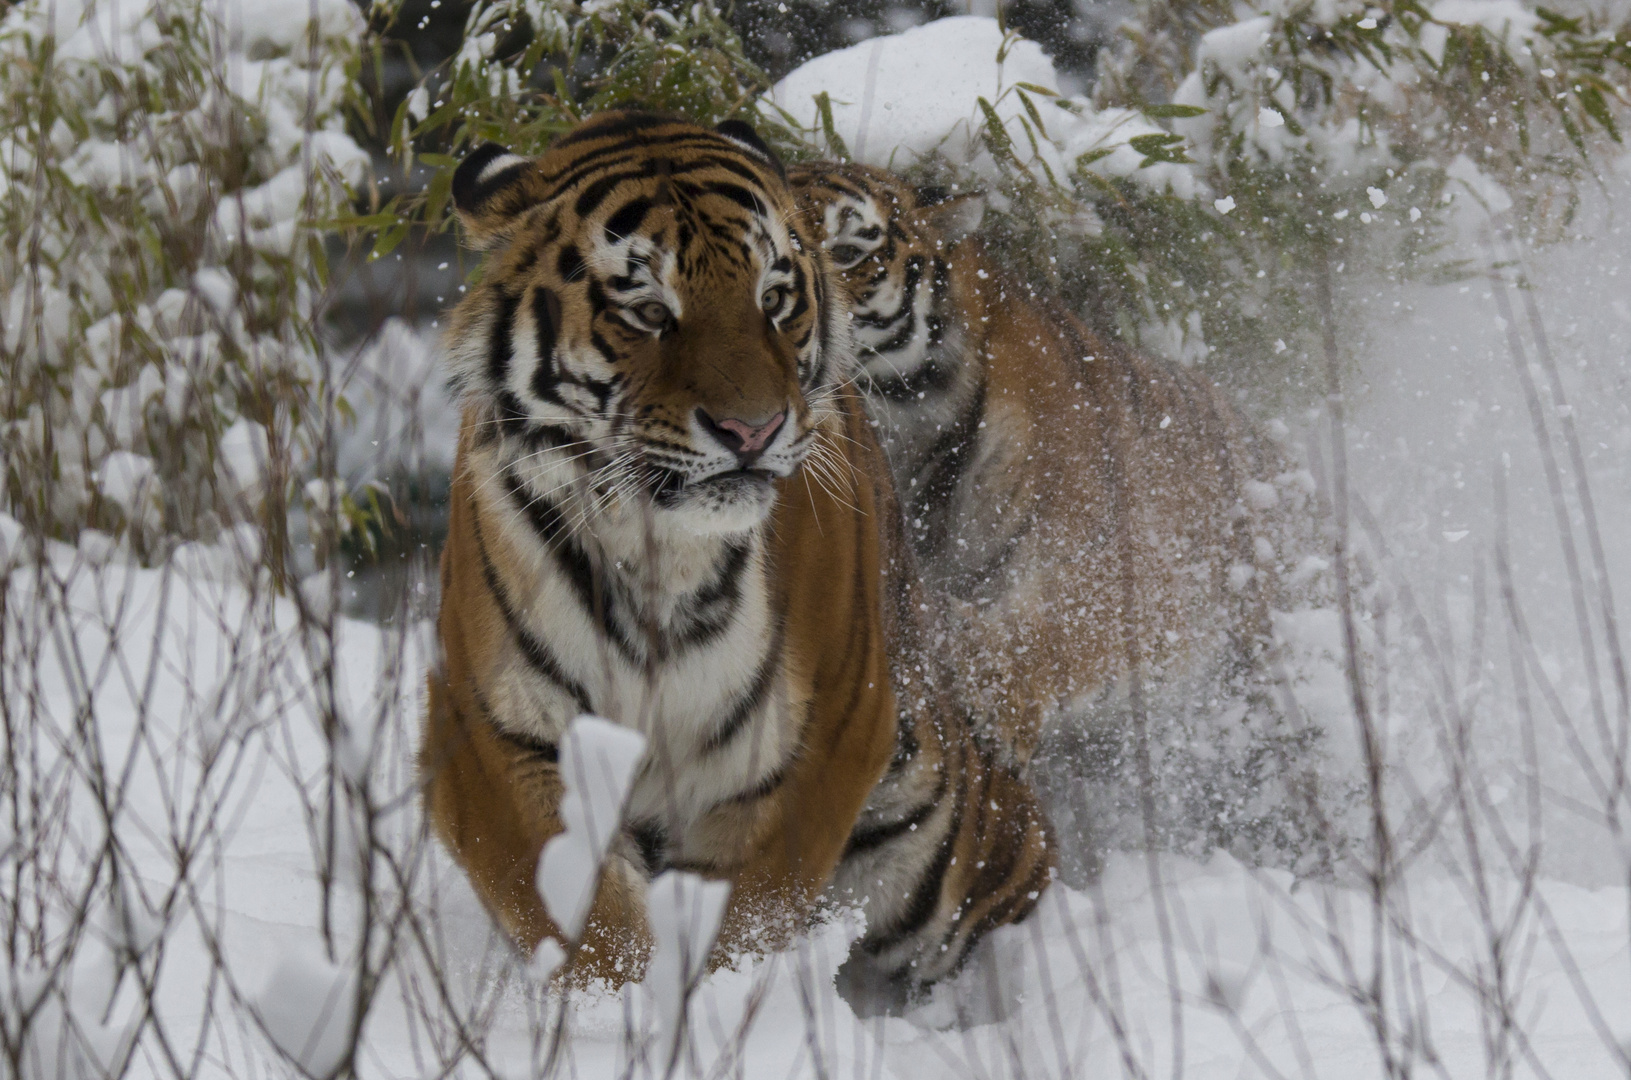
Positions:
(669, 510)
(1087, 513)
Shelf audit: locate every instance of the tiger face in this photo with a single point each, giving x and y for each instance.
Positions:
(891, 245)
(653, 328)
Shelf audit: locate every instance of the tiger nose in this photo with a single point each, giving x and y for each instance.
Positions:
(746, 440)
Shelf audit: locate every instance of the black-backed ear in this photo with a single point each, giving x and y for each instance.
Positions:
(741, 133)
(950, 217)
(491, 188)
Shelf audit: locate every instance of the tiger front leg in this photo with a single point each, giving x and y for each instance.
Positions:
(959, 848)
(494, 803)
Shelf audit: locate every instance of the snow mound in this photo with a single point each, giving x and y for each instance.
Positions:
(598, 761)
(900, 98)
(684, 910)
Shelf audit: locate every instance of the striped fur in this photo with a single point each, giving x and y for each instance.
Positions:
(1079, 504)
(617, 546)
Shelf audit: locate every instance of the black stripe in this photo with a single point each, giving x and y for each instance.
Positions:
(546, 319)
(710, 610)
(633, 160)
(931, 376)
(544, 751)
(627, 219)
(943, 467)
(867, 837)
(500, 339)
(914, 276)
(593, 590)
(745, 198)
(537, 748)
(614, 123)
(569, 264)
(926, 893)
(468, 194)
(755, 695)
(538, 655)
(651, 838)
(764, 788)
(906, 747)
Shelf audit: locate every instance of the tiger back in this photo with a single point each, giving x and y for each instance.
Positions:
(1093, 517)
(668, 510)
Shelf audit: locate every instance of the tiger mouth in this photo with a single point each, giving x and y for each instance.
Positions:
(674, 489)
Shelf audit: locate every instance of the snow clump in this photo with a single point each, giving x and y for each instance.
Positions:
(903, 97)
(598, 759)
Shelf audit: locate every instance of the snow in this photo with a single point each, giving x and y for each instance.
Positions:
(277, 71)
(306, 1007)
(903, 97)
(1269, 973)
(684, 911)
(598, 761)
(130, 481)
(1506, 20)
(406, 418)
(243, 454)
(1491, 198)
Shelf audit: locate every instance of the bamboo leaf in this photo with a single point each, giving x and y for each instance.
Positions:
(1036, 117)
(1164, 111)
(823, 104)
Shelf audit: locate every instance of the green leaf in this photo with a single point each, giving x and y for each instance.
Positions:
(1154, 142)
(1036, 117)
(996, 135)
(1035, 89)
(1164, 111)
(823, 104)
(1084, 160)
(358, 221)
(388, 240)
(1591, 99)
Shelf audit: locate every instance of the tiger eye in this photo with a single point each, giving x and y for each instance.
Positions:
(773, 300)
(652, 313)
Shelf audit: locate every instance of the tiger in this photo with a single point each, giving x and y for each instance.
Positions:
(669, 509)
(1093, 519)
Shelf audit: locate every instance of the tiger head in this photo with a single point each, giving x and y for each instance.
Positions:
(651, 325)
(892, 246)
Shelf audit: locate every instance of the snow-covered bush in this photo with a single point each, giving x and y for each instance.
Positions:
(1305, 138)
(1338, 134)
(163, 167)
(530, 69)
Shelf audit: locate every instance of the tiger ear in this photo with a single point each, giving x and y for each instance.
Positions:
(742, 134)
(491, 188)
(950, 217)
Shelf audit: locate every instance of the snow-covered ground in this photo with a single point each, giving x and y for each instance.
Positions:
(240, 769)
(1165, 967)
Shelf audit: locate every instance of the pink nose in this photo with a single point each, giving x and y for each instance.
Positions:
(744, 440)
(753, 438)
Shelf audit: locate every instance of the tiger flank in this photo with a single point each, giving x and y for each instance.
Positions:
(1098, 523)
(669, 510)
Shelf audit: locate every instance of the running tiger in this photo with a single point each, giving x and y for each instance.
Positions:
(1077, 503)
(668, 509)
